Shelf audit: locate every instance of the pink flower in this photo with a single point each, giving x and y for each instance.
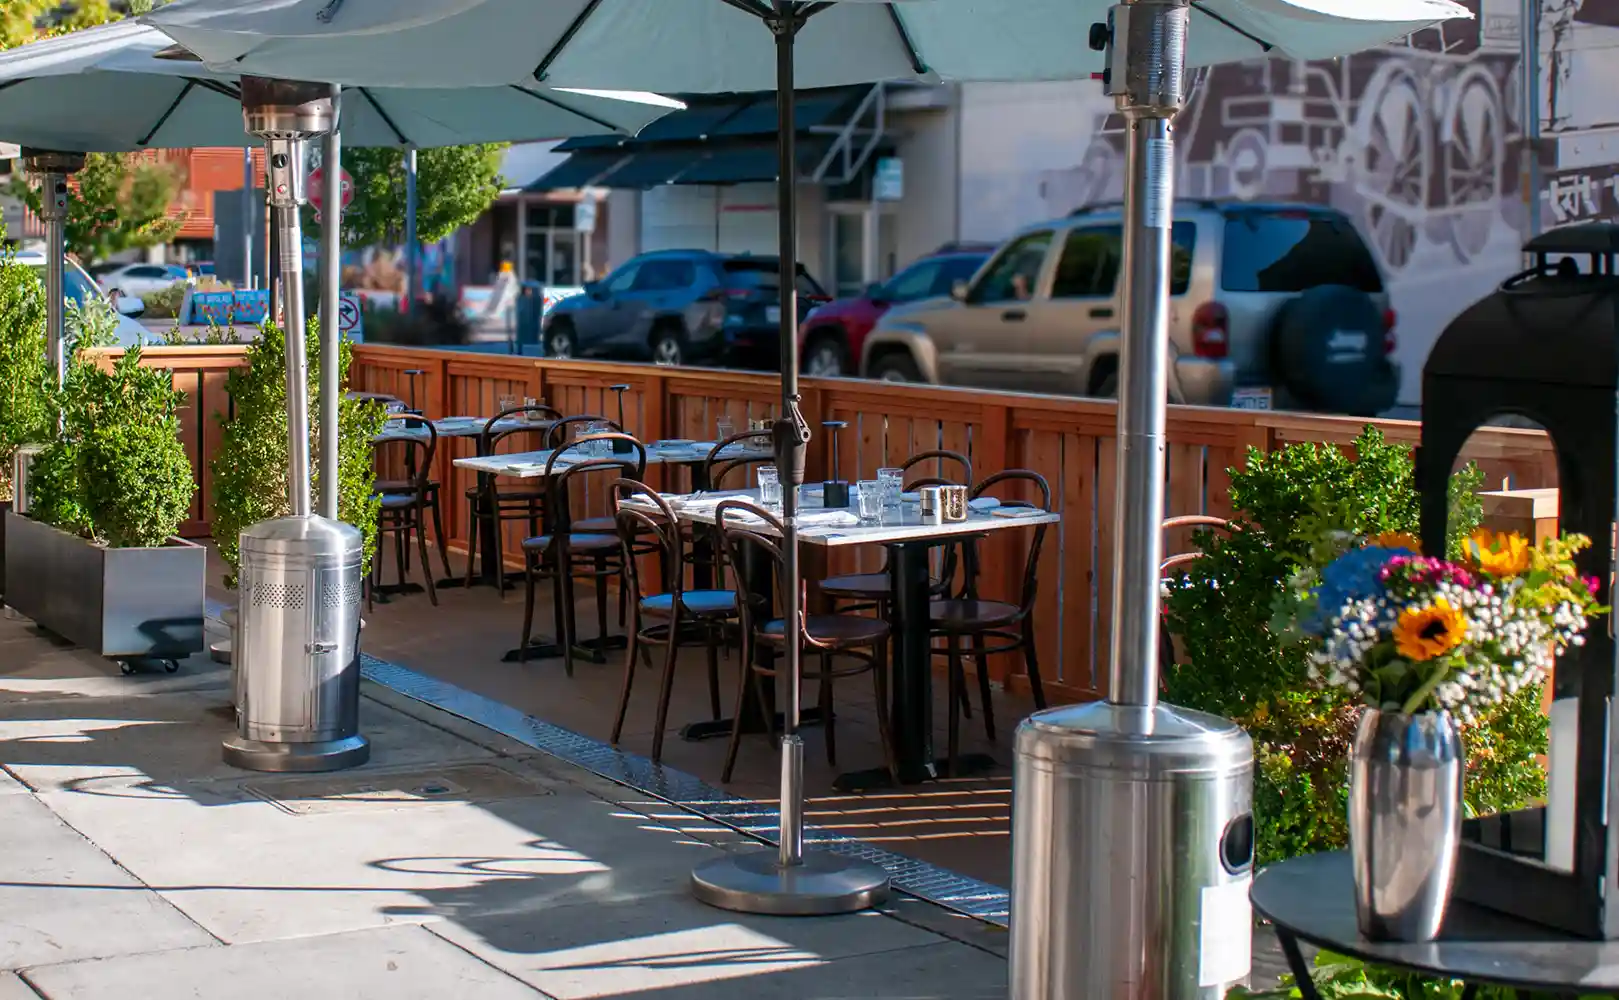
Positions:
(1591, 584)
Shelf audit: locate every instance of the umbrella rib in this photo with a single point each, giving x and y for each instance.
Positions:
(753, 7)
(587, 116)
(567, 36)
(905, 40)
(1203, 9)
(167, 114)
(365, 92)
(223, 89)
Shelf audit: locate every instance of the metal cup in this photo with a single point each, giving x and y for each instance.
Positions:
(932, 505)
(953, 503)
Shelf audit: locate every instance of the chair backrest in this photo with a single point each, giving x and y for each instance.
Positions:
(525, 420)
(942, 475)
(413, 434)
(1031, 566)
(659, 526)
(754, 448)
(740, 538)
(568, 429)
(572, 464)
(1179, 559)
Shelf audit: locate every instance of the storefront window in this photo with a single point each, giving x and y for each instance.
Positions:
(551, 248)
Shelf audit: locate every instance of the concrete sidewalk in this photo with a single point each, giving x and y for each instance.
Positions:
(457, 864)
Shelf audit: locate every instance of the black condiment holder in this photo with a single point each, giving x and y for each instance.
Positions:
(620, 446)
(834, 491)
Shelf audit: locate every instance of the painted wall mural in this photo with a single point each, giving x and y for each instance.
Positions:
(1419, 142)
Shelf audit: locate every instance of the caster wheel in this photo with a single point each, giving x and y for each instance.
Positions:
(126, 668)
(171, 666)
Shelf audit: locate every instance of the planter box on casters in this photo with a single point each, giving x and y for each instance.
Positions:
(119, 603)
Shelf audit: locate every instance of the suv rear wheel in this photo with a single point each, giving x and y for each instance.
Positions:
(668, 346)
(895, 366)
(824, 356)
(559, 343)
(1105, 379)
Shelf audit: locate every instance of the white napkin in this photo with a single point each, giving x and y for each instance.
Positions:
(1017, 512)
(983, 503)
(827, 519)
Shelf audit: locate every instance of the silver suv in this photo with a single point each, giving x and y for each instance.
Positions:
(1271, 306)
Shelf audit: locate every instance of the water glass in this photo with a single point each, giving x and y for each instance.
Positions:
(769, 486)
(871, 500)
(724, 427)
(600, 449)
(530, 416)
(506, 403)
(892, 482)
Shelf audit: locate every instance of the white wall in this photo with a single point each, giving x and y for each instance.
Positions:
(926, 216)
(732, 219)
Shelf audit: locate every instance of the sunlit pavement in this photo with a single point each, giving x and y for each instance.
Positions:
(457, 864)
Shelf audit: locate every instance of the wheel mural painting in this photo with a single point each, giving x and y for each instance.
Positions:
(1473, 161)
(1396, 160)
(1245, 158)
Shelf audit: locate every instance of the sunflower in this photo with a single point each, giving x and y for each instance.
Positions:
(1395, 540)
(1498, 554)
(1424, 633)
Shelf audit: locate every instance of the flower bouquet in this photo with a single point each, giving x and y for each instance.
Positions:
(1425, 643)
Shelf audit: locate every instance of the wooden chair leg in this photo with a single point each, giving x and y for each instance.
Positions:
(1031, 659)
(736, 715)
(667, 686)
(438, 535)
(630, 652)
(953, 740)
(472, 541)
(566, 625)
(981, 661)
(828, 722)
(427, 567)
(529, 571)
(712, 638)
(879, 675)
(601, 597)
(400, 532)
(499, 554)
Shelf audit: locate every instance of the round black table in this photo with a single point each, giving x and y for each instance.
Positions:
(1312, 899)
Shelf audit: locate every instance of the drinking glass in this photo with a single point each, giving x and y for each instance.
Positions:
(769, 486)
(871, 500)
(530, 417)
(506, 403)
(724, 427)
(892, 482)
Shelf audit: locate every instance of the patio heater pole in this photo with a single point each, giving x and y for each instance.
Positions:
(248, 215)
(53, 169)
(331, 272)
(788, 881)
(407, 305)
(1132, 829)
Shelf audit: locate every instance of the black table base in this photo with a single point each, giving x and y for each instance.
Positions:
(384, 593)
(696, 732)
(877, 779)
(589, 650)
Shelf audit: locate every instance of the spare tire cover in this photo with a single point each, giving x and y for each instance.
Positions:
(1328, 349)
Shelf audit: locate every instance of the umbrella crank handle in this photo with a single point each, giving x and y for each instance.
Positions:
(789, 436)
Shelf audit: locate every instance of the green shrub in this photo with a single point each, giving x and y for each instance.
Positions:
(25, 375)
(165, 302)
(1239, 666)
(118, 474)
(250, 470)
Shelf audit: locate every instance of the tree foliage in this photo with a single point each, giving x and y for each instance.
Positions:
(454, 186)
(25, 375)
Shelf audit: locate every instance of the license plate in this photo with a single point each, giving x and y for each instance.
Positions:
(772, 314)
(1251, 399)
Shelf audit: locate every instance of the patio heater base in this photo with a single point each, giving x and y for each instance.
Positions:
(220, 652)
(328, 755)
(823, 884)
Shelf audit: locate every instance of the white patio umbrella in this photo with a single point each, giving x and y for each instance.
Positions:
(117, 88)
(691, 46)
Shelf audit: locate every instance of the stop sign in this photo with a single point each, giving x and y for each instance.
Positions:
(317, 189)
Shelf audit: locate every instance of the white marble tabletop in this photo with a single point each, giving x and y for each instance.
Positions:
(838, 527)
(458, 427)
(531, 464)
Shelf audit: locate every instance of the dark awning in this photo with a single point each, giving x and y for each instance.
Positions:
(812, 109)
(606, 140)
(652, 168)
(578, 170)
(700, 118)
(742, 163)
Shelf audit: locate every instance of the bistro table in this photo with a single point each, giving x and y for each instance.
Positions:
(1312, 899)
(532, 465)
(908, 540)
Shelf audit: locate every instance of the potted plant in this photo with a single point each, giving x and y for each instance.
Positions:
(95, 559)
(250, 469)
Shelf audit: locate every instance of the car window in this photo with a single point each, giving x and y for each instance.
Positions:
(915, 282)
(1291, 251)
(955, 269)
(765, 276)
(1092, 257)
(76, 288)
(1012, 276)
(147, 271)
(623, 279)
(665, 275)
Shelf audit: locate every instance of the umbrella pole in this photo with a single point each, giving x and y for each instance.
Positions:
(331, 249)
(53, 170)
(411, 250)
(787, 881)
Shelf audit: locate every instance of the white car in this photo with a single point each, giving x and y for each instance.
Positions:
(77, 287)
(141, 279)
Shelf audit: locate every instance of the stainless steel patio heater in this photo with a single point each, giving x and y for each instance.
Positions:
(1132, 826)
(52, 169)
(297, 652)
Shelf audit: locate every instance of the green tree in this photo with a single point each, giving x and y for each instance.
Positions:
(454, 185)
(121, 203)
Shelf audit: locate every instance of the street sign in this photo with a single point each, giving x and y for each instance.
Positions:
(348, 314)
(317, 189)
(584, 216)
(888, 179)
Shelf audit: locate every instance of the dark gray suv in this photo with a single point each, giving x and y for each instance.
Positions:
(677, 307)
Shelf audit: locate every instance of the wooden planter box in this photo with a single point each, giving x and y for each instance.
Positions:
(119, 603)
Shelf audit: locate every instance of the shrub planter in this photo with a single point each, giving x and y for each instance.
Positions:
(5, 515)
(118, 603)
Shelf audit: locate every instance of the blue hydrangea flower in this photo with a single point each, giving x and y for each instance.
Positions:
(1352, 576)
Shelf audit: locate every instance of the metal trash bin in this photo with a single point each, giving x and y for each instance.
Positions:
(297, 648)
(1132, 853)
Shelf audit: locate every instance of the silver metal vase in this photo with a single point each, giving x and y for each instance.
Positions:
(1405, 809)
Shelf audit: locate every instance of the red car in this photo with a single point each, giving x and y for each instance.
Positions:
(832, 336)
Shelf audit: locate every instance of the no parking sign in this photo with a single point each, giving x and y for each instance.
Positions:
(349, 321)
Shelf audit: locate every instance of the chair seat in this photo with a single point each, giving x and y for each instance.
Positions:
(401, 486)
(597, 525)
(399, 501)
(594, 544)
(835, 630)
(867, 586)
(701, 603)
(502, 496)
(971, 616)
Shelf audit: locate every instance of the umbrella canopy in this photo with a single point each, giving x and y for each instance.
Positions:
(706, 46)
(106, 89)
